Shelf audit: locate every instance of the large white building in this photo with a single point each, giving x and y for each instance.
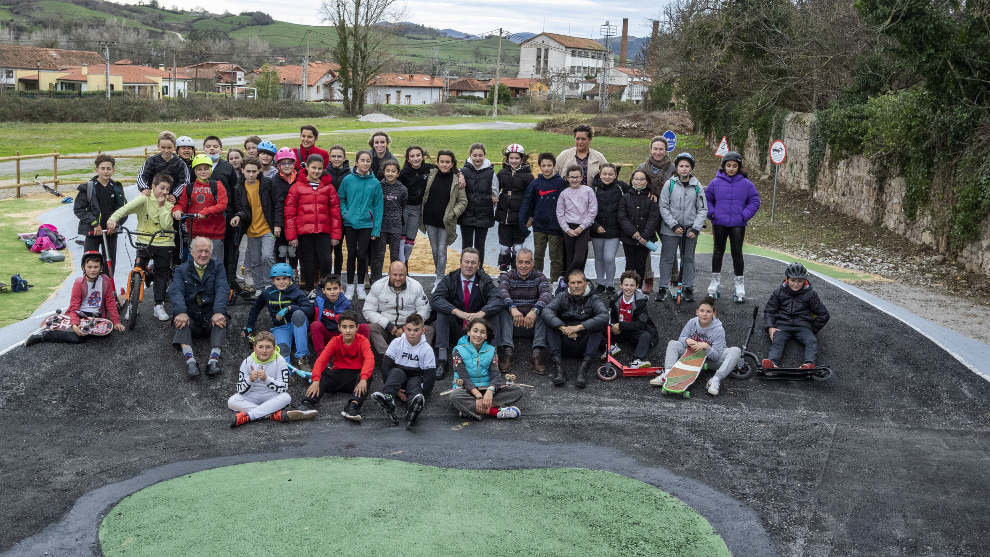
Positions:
(552, 57)
(391, 88)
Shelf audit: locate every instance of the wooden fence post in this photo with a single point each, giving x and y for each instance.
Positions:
(55, 169)
(18, 174)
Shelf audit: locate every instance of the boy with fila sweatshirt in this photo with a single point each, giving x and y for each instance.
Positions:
(411, 365)
(353, 362)
(703, 331)
(262, 386)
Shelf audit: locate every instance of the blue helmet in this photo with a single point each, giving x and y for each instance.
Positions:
(268, 147)
(280, 270)
(684, 156)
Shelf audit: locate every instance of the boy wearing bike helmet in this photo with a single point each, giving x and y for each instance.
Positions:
(794, 311)
(290, 310)
(285, 163)
(207, 200)
(266, 154)
(185, 147)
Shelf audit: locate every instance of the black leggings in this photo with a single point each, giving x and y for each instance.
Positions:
(637, 257)
(314, 259)
(161, 255)
(474, 237)
(358, 249)
(735, 236)
(337, 261)
(576, 249)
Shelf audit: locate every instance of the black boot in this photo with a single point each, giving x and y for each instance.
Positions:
(557, 372)
(505, 360)
(441, 363)
(504, 262)
(581, 381)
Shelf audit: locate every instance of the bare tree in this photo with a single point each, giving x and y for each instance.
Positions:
(363, 48)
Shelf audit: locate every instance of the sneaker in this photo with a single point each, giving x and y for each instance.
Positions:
(614, 350)
(714, 285)
(257, 294)
(661, 294)
(361, 294)
(240, 419)
(713, 385)
(659, 380)
(415, 407)
(387, 403)
(352, 412)
(688, 295)
(767, 363)
(637, 363)
(349, 292)
(160, 313)
(297, 415)
(213, 367)
(192, 368)
(277, 416)
(508, 413)
(807, 365)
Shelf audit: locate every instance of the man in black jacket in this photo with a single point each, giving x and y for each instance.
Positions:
(575, 323)
(794, 311)
(459, 297)
(224, 173)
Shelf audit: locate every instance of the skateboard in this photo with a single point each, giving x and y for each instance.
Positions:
(685, 372)
(97, 326)
(750, 363)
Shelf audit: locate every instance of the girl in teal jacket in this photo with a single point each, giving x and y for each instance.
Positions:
(479, 388)
(361, 205)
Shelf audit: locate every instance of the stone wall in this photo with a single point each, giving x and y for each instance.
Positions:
(850, 187)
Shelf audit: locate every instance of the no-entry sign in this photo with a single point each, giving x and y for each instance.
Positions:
(778, 152)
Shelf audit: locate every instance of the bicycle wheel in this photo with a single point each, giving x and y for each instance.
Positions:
(131, 313)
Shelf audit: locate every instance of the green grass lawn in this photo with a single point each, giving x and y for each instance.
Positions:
(321, 506)
(19, 215)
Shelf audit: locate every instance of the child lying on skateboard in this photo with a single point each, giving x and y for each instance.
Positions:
(703, 331)
(794, 311)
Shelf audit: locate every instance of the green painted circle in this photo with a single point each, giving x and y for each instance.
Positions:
(388, 507)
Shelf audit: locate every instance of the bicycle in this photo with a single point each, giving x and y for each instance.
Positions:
(140, 276)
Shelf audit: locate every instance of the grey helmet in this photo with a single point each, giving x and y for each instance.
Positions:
(686, 157)
(796, 270)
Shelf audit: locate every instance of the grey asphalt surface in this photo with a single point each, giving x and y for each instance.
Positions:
(888, 458)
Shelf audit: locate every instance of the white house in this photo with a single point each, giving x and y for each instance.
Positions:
(321, 80)
(391, 88)
(549, 55)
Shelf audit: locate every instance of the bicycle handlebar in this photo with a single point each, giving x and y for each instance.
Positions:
(151, 237)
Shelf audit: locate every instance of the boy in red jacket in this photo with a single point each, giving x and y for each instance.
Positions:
(92, 296)
(353, 362)
(207, 199)
(312, 221)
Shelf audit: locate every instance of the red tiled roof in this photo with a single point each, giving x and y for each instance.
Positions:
(407, 80)
(570, 42)
(28, 57)
(292, 75)
(516, 82)
(130, 75)
(218, 66)
(468, 84)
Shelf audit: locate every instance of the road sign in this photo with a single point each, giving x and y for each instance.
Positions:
(671, 138)
(778, 152)
(723, 148)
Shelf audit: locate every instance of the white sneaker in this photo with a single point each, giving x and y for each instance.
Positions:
(714, 284)
(637, 363)
(508, 413)
(257, 293)
(361, 294)
(713, 385)
(349, 292)
(659, 380)
(160, 313)
(614, 349)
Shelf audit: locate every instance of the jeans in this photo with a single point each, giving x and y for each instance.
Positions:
(201, 328)
(605, 249)
(668, 249)
(802, 335)
(503, 324)
(259, 258)
(411, 220)
(217, 254)
(735, 235)
(438, 243)
(541, 242)
(295, 330)
(730, 356)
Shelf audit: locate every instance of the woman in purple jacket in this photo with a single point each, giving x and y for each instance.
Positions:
(732, 201)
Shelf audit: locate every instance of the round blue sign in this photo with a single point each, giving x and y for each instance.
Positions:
(671, 138)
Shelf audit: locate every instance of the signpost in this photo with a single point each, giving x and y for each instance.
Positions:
(671, 138)
(778, 152)
(723, 148)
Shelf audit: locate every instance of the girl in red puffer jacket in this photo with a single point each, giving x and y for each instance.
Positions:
(312, 221)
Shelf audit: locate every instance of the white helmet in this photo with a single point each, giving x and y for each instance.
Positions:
(515, 148)
(185, 141)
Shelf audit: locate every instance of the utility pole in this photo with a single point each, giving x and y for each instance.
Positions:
(305, 71)
(608, 31)
(105, 46)
(498, 62)
(175, 78)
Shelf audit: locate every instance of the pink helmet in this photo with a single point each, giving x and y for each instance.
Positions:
(285, 153)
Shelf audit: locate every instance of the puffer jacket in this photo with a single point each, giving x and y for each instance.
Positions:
(638, 213)
(199, 297)
(476, 367)
(415, 181)
(388, 308)
(291, 299)
(568, 309)
(174, 167)
(198, 198)
(362, 202)
(609, 197)
(731, 201)
(512, 186)
(312, 211)
(482, 185)
(683, 206)
(787, 308)
(540, 204)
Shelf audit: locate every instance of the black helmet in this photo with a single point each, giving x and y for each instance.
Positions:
(732, 156)
(91, 255)
(796, 270)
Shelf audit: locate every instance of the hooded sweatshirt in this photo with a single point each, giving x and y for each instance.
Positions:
(713, 334)
(362, 202)
(540, 204)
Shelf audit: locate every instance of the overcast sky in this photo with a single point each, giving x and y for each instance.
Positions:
(581, 18)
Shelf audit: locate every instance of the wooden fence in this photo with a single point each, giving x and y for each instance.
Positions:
(54, 181)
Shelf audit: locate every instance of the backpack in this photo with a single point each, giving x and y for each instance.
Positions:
(17, 284)
(47, 238)
(697, 191)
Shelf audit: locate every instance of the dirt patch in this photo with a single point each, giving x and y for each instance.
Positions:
(638, 124)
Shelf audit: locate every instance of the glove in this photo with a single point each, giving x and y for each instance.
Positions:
(281, 313)
(248, 334)
(652, 246)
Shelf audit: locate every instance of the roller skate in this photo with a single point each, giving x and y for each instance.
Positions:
(740, 295)
(713, 286)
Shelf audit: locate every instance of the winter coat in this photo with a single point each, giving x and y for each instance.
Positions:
(328, 312)
(280, 190)
(512, 186)
(658, 175)
(682, 206)
(312, 211)
(731, 201)
(108, 304)
(387, 308)
(609, 197)
(455, 206)
(448, 295)
(376, 163)
(151, 218)
(568, 309)
(338, 174)
(361, 202)
(476, 367)
(415, 181)
(199, 298)
(87, 204)
(481, 186)
(540, 204)
(175, 167)
(787, 308)
(394, 197)
(276, 300)
(524, 294)
(198, 198)
(568, 157)
(303, 154)
(641, 320)
(225, 174)
(638, 213)
(269, 206)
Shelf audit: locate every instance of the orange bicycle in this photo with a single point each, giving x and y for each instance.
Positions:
(140, 276)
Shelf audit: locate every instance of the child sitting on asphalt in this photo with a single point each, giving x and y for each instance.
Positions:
(262, 386)
(408, 364)
(290, 310)
(631, 320)
(476, 370)
(207, 199)
(92, 296)
(353, 362)
(703, 331)
(329, 304)
(794, 311)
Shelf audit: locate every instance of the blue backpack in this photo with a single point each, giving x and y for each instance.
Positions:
(17, 284)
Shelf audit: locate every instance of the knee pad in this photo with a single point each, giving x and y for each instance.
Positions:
(298, 318)
(284, 350)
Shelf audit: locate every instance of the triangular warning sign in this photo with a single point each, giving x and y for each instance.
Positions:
(723, 148)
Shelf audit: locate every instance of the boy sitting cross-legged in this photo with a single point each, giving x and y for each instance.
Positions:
(353, 362)
(408, 364)
(261, 386)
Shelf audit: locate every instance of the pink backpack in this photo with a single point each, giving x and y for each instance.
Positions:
(41, 244)
(48, 238)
